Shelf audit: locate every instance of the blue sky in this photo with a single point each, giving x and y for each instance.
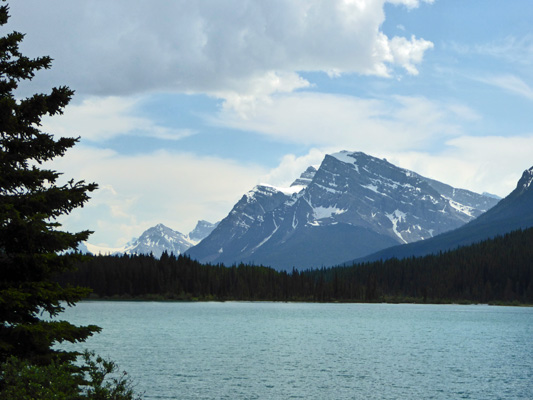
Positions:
(184, 106)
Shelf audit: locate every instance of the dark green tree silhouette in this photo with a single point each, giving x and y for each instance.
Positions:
(33, 249)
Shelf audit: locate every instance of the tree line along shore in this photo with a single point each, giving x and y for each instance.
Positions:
(495, 271)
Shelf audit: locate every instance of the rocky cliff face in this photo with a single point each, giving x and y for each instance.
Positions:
(353, 204)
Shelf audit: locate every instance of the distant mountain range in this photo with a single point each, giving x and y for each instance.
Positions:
(351, 206)
(512, 213)
(157, 240)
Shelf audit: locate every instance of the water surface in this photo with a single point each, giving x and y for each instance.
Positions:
(240, 350)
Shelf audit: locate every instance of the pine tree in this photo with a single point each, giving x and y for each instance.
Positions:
(33, 249)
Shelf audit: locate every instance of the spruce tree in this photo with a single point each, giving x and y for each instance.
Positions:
(33, 248)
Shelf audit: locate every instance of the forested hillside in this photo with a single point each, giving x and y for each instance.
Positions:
(499, 270)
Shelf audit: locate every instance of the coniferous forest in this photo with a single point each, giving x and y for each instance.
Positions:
(496, 271)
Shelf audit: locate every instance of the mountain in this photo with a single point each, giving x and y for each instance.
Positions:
(352, 205)
(201, 231)
(512, 213)
(156, 240)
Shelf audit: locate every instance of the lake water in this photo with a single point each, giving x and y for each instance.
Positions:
(240, 350)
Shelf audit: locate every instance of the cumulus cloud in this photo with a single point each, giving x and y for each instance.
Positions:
(119, 47)
(408, 53)
(291, 167)
(246, 100)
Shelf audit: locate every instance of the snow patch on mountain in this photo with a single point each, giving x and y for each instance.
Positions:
(396, 218)
(346, 157)
(326, 212)
(461, 207)
(276, 227)
(374, 188)
(286, 190)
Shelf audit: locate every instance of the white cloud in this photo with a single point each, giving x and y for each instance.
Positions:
(123, 47)
(491, 164)
(510, 83)
(246, 99)
(515, 50)
(291, 167)
(408, 53)
(101, 118)
(483, 164)
(411, 3)
(370, 125)
(137, 192)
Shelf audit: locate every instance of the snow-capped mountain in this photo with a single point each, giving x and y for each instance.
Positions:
(352, 205)
(512, 213)
(156, 240)
(159, 239)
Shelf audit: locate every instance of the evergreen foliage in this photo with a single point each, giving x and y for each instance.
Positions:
(498, 270)
(32, 248)
(98, 379)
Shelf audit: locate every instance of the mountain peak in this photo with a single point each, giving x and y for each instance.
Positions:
(203, 229)
(525, 182)
(352, 204)
(306, 177)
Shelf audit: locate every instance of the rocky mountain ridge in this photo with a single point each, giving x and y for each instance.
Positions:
(352, 204)
(512, 213)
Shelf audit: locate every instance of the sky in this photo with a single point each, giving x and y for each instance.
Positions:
(183, 106)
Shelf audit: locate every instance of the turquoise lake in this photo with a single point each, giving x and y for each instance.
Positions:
(242, 350)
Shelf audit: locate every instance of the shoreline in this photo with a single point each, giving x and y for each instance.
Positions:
(162, 299)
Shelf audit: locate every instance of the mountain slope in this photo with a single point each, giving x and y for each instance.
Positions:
(246, 219)
(353, 204)
(512, 213)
